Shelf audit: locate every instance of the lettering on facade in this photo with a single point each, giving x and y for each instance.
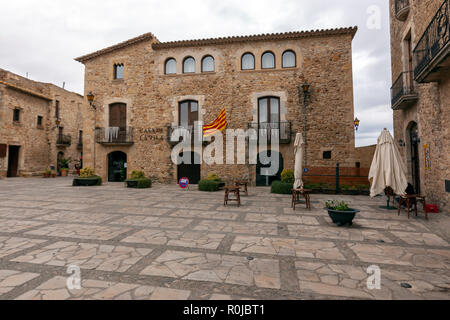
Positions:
(152, 134)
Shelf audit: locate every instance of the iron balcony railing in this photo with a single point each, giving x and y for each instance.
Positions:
(114, 135)
(183, 134)
(279, 130)
(433, 41)
(401, 8)
(403, 89)
(63, 140)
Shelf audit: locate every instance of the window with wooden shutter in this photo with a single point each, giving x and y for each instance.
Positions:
(118, 115)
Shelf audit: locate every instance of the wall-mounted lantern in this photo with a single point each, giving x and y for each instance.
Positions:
(357, 122)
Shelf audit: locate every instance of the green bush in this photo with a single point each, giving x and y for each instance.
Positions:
(77, 181)
(142, 183)
(279, 187)
(137, 174)
(209, 185)
(287, 176)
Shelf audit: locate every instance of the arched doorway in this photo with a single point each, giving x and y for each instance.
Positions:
(191, 170)
(58, 161)
(117, 166)
(264, 179)
(413, 155)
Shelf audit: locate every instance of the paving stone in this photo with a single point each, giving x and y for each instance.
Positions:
(10, 279)
(95, 232)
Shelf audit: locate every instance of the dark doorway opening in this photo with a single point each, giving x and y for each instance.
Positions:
(117, 166)
(415, 162)
(191, 171)
(13, 161)
(266, 180)
(58, 162)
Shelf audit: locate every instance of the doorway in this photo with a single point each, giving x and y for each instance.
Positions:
(191, 171)
(414, 156)
(262, 179)
(59, 158)
(13, 161)
(117, 166)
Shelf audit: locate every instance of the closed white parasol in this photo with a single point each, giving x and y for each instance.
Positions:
(298, 151)
(388, 169)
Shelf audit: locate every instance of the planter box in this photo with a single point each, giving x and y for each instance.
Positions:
(138, 183)
(342, 218)
(87, 182)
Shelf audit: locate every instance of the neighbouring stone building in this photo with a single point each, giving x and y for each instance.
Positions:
(420, 47)
(39, 124)
(144, 89)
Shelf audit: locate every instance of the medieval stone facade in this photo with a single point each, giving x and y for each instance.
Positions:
(421, 93)
(33, 133)
(146, 84)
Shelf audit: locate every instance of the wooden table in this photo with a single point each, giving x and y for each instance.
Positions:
(243, 184)
(232, 190)
(296, 193)
(410, 200)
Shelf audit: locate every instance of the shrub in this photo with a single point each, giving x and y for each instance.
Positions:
(279, 187)
(213, 177)
(87, 172)
(287, 176)
(209, 185)
(142, 183)
(137, 174)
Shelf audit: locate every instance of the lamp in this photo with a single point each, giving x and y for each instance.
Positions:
(357, 122)
(90, 96)
(306, 87)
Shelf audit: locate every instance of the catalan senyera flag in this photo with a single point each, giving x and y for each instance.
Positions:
(219, 124)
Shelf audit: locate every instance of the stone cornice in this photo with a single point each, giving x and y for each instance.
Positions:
(27, 91)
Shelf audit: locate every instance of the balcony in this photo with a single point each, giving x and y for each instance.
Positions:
(80, 145)
(266, 131)
(185, 133)
(114, 136)
(63, 140)
(401, 9)
(403, 91)
(431, 55)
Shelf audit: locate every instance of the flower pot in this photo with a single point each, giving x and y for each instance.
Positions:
(64, 172)
(341, 218)
(53, 175)
(132, 183)
(87, 182)
(46, 175)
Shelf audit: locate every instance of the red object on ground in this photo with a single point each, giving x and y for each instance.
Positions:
(432, 208)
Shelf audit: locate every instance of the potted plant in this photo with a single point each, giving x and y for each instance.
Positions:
(340, 212)
(138, 180)
(47, 173)
(64, 165)
(87, 178)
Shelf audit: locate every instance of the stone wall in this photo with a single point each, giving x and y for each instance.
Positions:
(152, 99)
(431, 112)
(38, 148)
(364, 155)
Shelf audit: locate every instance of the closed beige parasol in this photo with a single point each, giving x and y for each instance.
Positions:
(298, 151)
(388, 169)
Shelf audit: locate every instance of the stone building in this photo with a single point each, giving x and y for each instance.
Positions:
(144, 89)
(421, 93)
(39, 124)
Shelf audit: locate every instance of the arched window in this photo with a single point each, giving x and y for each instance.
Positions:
(248, 61)
(208, 64)
(171, 66)
(289, 59)
(189, 65)
(268, 60)
(118, 71)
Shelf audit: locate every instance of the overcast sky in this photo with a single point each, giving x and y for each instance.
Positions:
(41, 38)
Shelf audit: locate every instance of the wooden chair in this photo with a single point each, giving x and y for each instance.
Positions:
(412, 200)
(232, 190)
(243, 184)
(296, 193)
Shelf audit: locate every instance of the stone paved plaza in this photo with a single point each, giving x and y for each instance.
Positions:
(165, 243)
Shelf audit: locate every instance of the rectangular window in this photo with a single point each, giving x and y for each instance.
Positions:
(327, 155)
(57, 109)
(39, 121)
(16, 115)
(118, 71)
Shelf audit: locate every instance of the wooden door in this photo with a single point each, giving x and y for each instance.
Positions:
(13, 161)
